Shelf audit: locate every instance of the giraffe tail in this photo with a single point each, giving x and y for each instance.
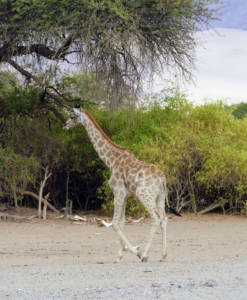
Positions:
(172, 210)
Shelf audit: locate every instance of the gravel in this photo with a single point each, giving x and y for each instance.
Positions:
(194, 279)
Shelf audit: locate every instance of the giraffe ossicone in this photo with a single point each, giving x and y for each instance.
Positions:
(130, 178)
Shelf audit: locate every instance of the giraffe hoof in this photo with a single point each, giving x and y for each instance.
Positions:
(163, 259)
(118, 259)
(145, 259)
(139, 253)
(117, 262)
(142, 258)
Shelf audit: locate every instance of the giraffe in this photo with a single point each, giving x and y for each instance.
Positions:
(130, 178)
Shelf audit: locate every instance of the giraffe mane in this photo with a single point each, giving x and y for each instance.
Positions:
(102, 132)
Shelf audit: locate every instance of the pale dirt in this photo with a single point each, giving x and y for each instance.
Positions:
(55, 259)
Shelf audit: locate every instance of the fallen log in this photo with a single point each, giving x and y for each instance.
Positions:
(42, 199)
(212, 207)
(16, 217)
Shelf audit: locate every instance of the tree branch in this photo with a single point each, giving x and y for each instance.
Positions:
(56, 113)
(24, 72)
(30, 76)
(7, 51)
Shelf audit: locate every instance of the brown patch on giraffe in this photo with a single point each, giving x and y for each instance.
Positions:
(100, 144)
(148, 180)
(132, 172)
(140, 175)
(113, 181)
(128, 161)
(148, 172)
(119, 183)
(116, 154)
(117, 175)
(101, 152)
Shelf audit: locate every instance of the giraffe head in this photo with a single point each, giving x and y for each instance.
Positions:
(77, 117)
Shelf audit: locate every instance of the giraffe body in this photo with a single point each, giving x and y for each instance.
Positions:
(130, 178)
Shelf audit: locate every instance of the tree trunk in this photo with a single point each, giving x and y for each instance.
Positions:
(69, 203)
(45, 206)
(70, 206)
(15, 199)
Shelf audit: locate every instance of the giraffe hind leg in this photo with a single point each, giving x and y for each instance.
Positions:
(149, 201)
(155, 223)
(161, 208)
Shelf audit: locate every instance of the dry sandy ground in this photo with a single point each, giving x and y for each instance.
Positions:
(55, 259)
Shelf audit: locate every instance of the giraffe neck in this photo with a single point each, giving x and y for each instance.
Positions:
(106, 149)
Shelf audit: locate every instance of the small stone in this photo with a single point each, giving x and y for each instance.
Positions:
(208, 284)
(156, 284)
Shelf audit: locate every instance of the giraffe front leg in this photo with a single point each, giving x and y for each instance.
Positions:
(120, 251)
(121, 224)
(117, 223)
(124, 241)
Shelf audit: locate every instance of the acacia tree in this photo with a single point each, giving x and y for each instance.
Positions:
(118, 41)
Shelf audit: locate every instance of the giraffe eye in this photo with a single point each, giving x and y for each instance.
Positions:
(72, 118)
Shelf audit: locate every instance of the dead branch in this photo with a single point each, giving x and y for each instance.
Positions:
(15, 197)
(42, 185)
(69, 203)
(42, 200)
(212, 207)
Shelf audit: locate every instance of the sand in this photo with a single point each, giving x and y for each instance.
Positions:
(57, 259)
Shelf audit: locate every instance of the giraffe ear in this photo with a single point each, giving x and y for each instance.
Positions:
(76, 111)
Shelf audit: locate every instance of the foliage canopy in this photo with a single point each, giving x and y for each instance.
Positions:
(120, 42)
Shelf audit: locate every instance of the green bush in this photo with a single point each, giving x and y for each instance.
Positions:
(202, 150)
